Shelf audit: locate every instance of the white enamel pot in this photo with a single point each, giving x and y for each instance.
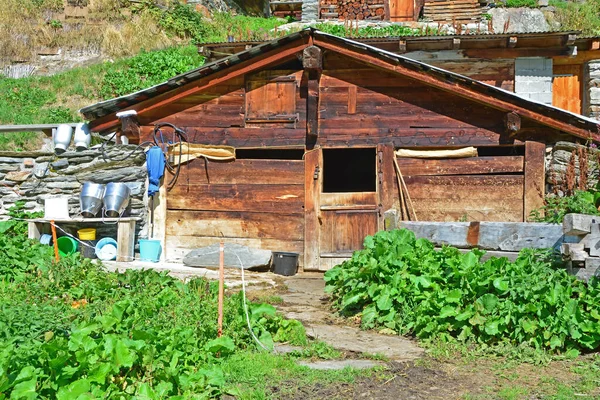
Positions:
(62, 138)
(82, 137)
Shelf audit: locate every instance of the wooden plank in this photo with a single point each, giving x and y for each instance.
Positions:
(283, 199)
(242, 171)
(158, 231)
(535, 183)
(346, 231)
(387, 186)
(469, 197)
(312, 105)
(566, 87)
(401, 10)
(241, 138)
(504, 236)
(461, 166)
(125, 241)
(231, 224)
(349, 199)
(179, 246)
(352, 99)
(313, 165)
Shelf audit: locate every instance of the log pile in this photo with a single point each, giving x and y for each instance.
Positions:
(353, 9)
(454, 11)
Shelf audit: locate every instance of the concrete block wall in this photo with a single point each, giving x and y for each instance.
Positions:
(533, 79)
(593, 109)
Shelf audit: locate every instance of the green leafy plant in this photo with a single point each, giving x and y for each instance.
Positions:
(404, 284)
(556, 207)
(521, 3)
(70, 330)
(580, 16)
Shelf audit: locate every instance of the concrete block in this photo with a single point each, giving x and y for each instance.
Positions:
(574, 252)
(578, 224)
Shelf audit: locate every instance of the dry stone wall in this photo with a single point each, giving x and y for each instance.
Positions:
(558, 157)
(594, 89)
(31, 177)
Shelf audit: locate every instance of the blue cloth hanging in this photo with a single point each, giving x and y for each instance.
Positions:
(155, 162)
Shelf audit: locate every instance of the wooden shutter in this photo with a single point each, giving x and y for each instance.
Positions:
(271, 99)
(566, 87)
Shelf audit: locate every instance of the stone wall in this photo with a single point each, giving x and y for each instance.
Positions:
(558, 158)
(31, 177)
(593, 77)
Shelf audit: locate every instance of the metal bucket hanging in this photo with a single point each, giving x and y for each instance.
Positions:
(62, 138)
(116, 199)
(90, 199)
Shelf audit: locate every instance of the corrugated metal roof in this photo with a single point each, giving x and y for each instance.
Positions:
(110, 106)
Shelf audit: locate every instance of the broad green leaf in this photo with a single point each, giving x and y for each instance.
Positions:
(528, 326)
(368, 316)
(223, 345)
(123, 357)
(555, 342)
(491, 327)
(263, 309)
(74, 390)
(500, 284)
(145, 392)
(488, 302)
(454, 296)
(384, 302)
(447, 311)
(353, 299)
(24, 390)
(6, 225)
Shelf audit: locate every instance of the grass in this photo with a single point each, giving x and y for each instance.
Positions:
(581, 16)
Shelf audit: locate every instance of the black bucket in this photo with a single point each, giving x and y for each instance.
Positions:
(86, 251)
(285, 263)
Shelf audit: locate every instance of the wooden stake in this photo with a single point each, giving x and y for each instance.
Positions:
(221, 287)
(56, 258)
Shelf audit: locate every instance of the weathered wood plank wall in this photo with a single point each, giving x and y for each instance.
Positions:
(258, 203)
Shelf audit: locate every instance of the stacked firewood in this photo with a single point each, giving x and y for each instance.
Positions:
(353, 9)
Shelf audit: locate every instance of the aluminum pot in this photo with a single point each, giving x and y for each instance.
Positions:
(82, 136)
(90, 199)
(62, 138)
(116, 199)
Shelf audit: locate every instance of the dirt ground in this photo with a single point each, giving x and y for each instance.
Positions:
(411, 372)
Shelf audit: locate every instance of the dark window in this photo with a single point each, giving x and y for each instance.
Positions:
(349, 170)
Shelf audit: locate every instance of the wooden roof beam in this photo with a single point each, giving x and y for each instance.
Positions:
(277, 55)
(458, 90)
(512, 42)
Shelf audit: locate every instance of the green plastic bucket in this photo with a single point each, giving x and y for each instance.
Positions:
(66, 245)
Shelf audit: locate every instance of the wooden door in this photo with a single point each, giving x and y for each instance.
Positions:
(336, 223)
(402, 10)
(566, 87)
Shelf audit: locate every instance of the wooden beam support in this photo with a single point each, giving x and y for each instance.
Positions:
(312, 105)
(458, 90)
(278, 55)
(455, 43)
(352, 91)
(313, 167)
(512, 124)
(535, 182)
(401, 46)
(312, 58)
(571, 39)
(512, 42)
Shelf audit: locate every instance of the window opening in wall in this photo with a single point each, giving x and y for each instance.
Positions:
(501, 151)
(270, 154)
(349, 170)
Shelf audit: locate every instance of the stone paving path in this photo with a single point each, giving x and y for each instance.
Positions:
(305, 301)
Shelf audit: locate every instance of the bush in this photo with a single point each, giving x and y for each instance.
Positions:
(401, 283)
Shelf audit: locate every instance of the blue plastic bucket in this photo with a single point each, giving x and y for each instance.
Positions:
(106, 249)
(150, 250)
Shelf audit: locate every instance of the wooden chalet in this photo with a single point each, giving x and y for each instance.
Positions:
(316, 120)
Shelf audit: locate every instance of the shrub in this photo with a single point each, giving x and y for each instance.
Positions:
(404, 284)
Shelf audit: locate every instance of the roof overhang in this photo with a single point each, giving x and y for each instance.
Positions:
(102, 116)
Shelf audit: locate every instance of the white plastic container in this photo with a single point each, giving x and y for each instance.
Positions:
(82, 136)
(62, 138)
(56, 208)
